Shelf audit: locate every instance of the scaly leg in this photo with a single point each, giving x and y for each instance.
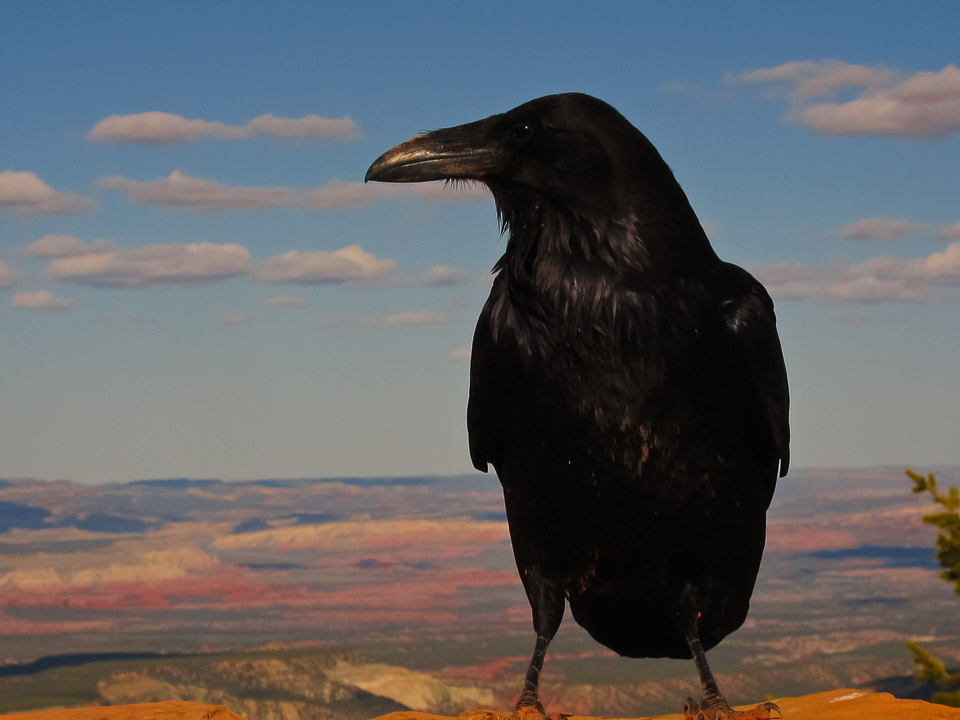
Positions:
(713, 705)
(547, 603)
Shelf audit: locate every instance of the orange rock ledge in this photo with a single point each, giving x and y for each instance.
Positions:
(834, 705)
(169, 710)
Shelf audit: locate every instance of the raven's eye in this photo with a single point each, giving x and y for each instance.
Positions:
(522, 132)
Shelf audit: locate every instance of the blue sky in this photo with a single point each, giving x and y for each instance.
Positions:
(153, 334)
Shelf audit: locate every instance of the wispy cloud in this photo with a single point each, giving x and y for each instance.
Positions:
(151, 265)
(162, 128)
(233, 320)
(183, 192)
(439, 275)
(40, 300)
(884, 229)
(921, 106)
(950, 232)
(7, 276)
(286, 301)
(814, 78)
(54, 246)
(314, 267)
(412, 318)
(308, 126)
(26, 194)
(884, 278)
(408, 319)
(339, 193)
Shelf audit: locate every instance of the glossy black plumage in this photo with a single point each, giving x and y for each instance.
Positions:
(627, 385)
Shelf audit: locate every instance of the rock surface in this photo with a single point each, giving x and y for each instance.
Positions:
(169, 710)
(834, 705)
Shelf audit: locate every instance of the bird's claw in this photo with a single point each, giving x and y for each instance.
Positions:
(693, 710)
(535, 712)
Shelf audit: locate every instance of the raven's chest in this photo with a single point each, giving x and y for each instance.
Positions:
(594, 340)
(587, 363)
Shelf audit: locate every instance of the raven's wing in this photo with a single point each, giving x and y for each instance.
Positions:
(486, 388)
(751, 321)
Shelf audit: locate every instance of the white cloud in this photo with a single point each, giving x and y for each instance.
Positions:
(26, 194)
(40, 300)
(884, 229)
(320, 267)
(233, 320)
(184, 192)
(922, 106)
(939, 265)
(884, 278)
(191, 193)
(162, 128)
(286, 301)
(7, 276)
(54, 246)
(150, 265)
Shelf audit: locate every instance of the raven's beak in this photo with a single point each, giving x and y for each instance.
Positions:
(451, 153)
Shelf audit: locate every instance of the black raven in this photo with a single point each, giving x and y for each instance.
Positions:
(627, 385)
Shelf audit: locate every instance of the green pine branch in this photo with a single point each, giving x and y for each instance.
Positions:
(948, 523)
(927, 666)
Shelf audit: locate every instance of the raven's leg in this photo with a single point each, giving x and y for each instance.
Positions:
(713, 705)
(547, 603)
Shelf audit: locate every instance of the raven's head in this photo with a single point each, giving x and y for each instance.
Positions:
(564, 147)
(571, 153)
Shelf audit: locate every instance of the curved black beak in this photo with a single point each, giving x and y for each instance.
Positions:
(459, 152)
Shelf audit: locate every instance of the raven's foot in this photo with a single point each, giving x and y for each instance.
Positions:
(717, 708)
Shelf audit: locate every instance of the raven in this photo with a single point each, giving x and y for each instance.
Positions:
(627, 386)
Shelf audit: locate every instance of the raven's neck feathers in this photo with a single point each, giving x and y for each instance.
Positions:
(655, 236)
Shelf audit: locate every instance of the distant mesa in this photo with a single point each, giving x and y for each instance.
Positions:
(251, 525)
(28, 517)
(372, 564)
(177, 483)
(314, 518)
(359, 482)
(893, 556)
(271, 566)
(50, 662)
(257, 524)
(101, 522)
(15, 515)
(490, 516)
